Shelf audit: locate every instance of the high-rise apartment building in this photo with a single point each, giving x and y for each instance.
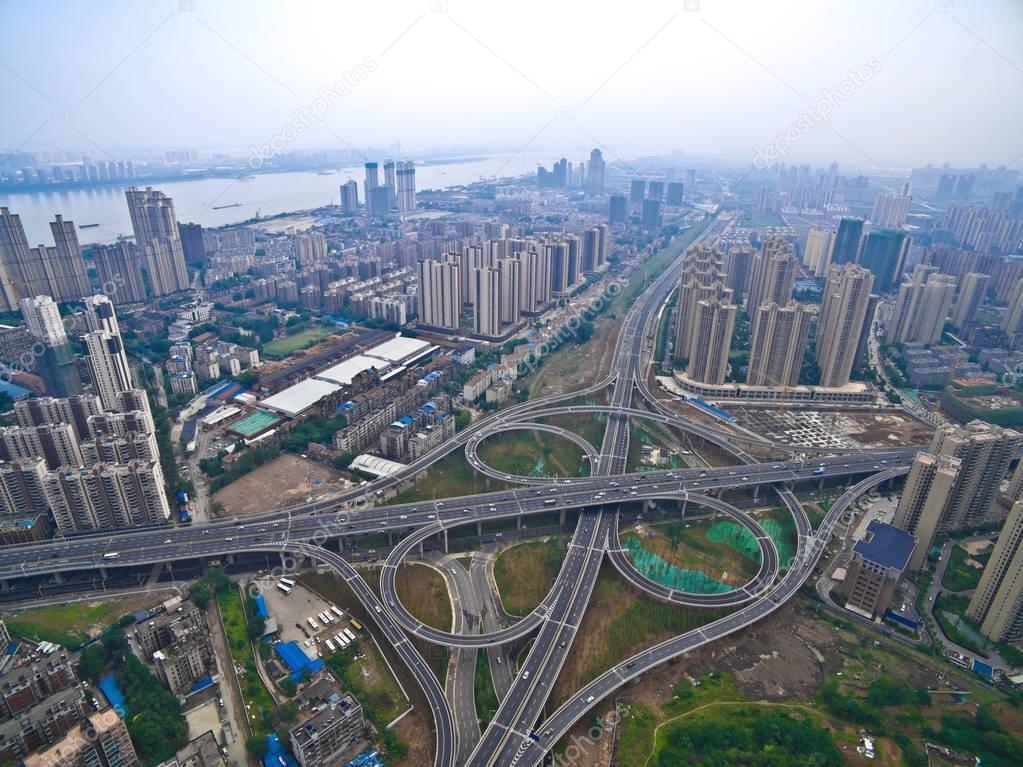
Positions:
(817, 254)
(637, 191)
(655, 190)
(713, 325)
(997, 603)
(702, 279)
(440, 294)
(772, 274)
(650, 219)
(843, 316)
(778, 344)
(1012, 320)
(350, 197)
(487, 305)
(847, 241)
(594, 249)
(971, 298)
(371, 182)
(617, 209)
(922, 307)
(158, 240)
(889, 211)
(108, 362)
(884, 254)
(119, 273)
(56, 362)
(406, 189)
(57, 271)
(390, 183)
(985, 452)
(66, 273)
(924, 500)
(595, 172)
(676, 193)
(107, 496)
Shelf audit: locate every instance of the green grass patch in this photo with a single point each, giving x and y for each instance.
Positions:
(450, 476)
(232, 613)
(369, 681)
(534, 454)
(483, 687)
(525, 572)
(303, 339)
(960, 576)
(68, 626)
(950, 613)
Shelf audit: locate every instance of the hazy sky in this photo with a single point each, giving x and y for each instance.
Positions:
(932, 80)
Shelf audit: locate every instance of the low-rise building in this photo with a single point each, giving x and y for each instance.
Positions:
(332, 724)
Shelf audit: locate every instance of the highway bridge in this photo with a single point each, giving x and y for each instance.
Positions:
(516, 736)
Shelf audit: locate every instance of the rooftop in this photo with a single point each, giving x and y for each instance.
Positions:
(886, 545)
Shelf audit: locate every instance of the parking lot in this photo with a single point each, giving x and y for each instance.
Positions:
(292, 611)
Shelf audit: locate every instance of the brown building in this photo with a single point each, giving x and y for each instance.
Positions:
(23, 687)
(100, 741)
(876, 567)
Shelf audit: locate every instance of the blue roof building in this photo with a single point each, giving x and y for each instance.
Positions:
(876, 567)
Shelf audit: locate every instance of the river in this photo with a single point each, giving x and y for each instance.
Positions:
(266, 193)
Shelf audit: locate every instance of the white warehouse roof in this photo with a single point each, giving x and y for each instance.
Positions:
(344, 372)
(398, 349)
(298, 398)
(375, 465)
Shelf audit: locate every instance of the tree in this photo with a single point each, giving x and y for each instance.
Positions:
(256, 746)
(288, 711)
(92, 662)
(289, 686)
(199, 592)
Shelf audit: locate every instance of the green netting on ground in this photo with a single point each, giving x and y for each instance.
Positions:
(739, 538)
(659, 571)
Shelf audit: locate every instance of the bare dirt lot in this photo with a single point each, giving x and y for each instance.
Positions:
(835, 428)
(286, 480)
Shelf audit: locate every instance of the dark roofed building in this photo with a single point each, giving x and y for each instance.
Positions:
(876, 567)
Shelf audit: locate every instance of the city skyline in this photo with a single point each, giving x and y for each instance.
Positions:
(880, 112)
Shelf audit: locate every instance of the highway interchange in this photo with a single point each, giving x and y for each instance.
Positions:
(517, 736)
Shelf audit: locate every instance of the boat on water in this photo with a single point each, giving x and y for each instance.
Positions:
(224, 207)
(87, 226)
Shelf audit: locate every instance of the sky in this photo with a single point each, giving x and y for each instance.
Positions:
(871, 83)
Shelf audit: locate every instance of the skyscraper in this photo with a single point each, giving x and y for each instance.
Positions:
(676, 192)
(617, 209)
(922, 307)
(651, 217)
(440, 294)
(655, 191)
(985, 452)
(971, 297)
(889, 211)
(701, 280)
(712, 339)
(119, 272)
(406, 190)
(637, 191)
(68, 280)
(924, 500)
(390, 183)
(817, 254)
(372, 182)
(58, 271)
(14, 259)
(487, 306)
(997, 603)
(108, 363)
(350, 197)
(772, 274)
(1012, 320)
(778, 344)
(595, 172)
(843, 314)
(158, 240)
(56, 364)
(847, 241)
(193, 244)
(884, 253)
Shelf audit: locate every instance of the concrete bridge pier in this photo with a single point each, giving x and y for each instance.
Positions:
(58, 578)
(445, 532)
(479, 529)
(518, 522)
(561, 517)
